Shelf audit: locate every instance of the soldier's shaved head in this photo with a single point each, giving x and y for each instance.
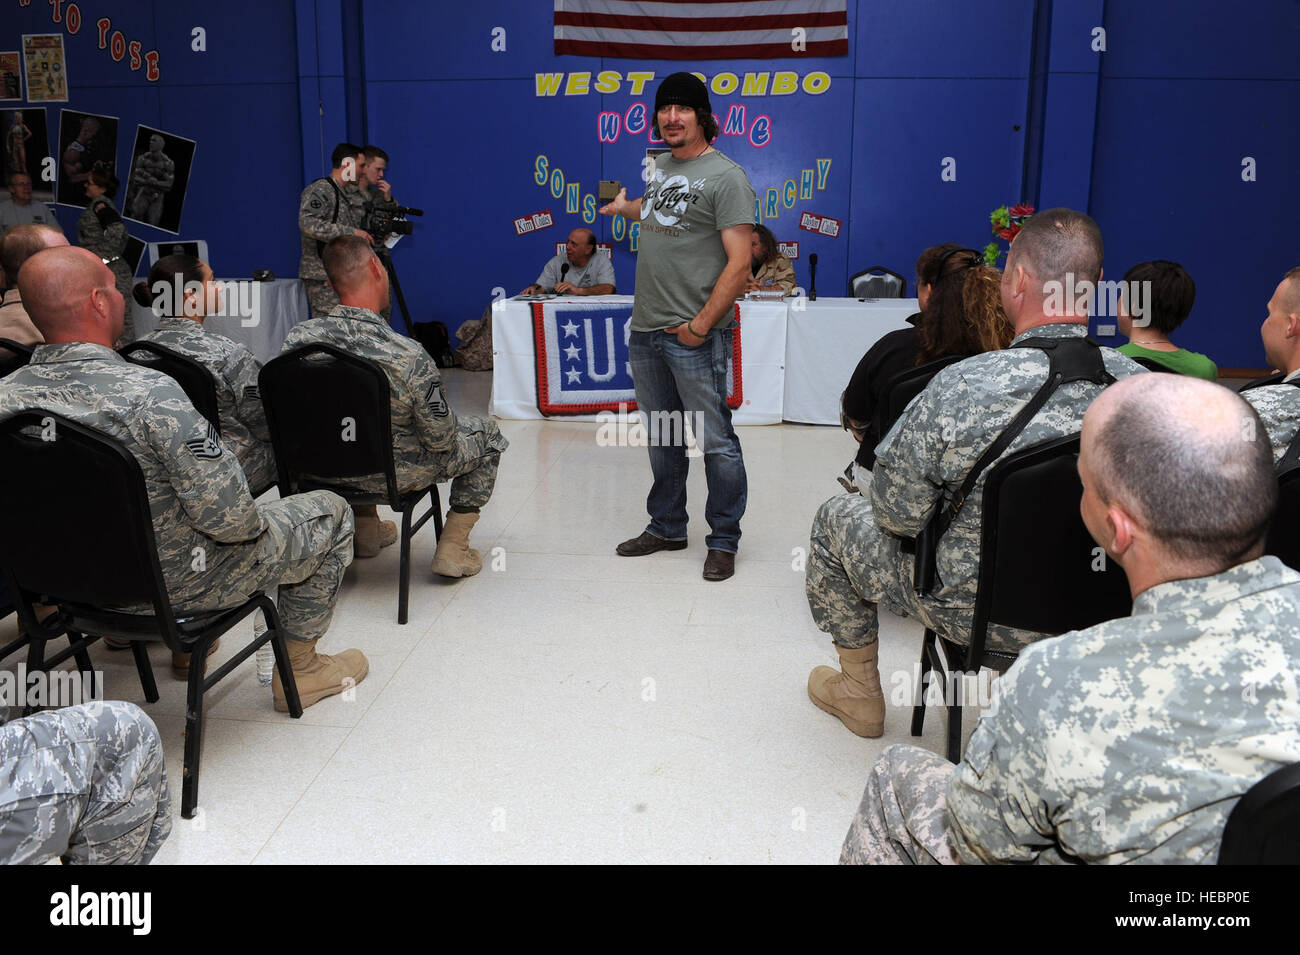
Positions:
(71, 296)
(21, 242)
(347, 262)
(1189, 460)
(1056, 244)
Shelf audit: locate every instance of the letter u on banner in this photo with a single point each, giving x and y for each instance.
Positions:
(608, 373)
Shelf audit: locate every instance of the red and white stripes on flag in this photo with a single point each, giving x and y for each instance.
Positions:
(701, 29)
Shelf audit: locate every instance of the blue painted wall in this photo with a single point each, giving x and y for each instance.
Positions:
(1149, 136)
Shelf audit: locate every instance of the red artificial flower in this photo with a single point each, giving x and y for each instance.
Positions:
(1020, 212)
(1010, 233)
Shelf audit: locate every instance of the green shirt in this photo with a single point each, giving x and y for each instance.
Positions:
(680, 257)
(1182, 361)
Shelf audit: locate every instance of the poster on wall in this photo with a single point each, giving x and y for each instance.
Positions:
(11, 82)
(86, 141)
(26, 144)
(160, 173)
(47, 74)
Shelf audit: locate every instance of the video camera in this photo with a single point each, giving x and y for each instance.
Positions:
(392, 221)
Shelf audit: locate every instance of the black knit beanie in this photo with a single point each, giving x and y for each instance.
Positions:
(683, 89)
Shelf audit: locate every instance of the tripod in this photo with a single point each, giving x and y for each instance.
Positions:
(386, 257)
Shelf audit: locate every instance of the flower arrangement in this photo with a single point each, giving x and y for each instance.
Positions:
(1006, 225)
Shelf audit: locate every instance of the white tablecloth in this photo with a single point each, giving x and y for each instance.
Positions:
(275, 307)
(762, 345)
(824, 342)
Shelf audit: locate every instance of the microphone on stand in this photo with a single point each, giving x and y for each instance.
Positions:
(564, 270)
(812, 276)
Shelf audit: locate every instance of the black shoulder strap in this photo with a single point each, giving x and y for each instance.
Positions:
(1277, 378)
(338, 195)
(1072, 359)
(1291, 459)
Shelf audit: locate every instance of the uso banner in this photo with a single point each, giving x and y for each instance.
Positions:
(582, 360)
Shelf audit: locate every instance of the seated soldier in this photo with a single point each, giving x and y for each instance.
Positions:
(431, 442)
(181, 291)
(1277, 399)
(1130, 741)
(1168, 299)
(85, 784)
(857, 559)
(216, 546)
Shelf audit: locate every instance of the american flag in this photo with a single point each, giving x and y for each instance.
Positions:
(701, 29)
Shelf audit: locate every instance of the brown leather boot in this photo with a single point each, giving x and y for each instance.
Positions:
(454, 557)
(371, 534)
(317, 675)
(181, 661)
(853, 695)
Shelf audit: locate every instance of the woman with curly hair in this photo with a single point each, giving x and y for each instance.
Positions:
(961, 314)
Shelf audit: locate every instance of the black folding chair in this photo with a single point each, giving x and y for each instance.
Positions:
(1264, 827)
(877, 282)
(1036, 572)
(17, 356)
(193, 377)
(331, 419)
(95, 549)
(1284, 529)
(905, 386)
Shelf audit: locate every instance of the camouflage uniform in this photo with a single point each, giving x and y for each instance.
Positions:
(430, 441)
(1279, 408)
(1130, 741)
(101, 230)
(239, 402)
(85, 784)
(318, 223)
(856, 561)
(215, 545)
(152, 177)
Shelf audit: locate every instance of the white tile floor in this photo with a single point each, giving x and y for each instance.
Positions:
(565, 705)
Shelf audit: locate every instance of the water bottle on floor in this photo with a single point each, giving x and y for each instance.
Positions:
(265, 654)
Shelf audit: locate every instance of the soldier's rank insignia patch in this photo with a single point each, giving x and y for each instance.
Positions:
(208, 446)
(433, 398)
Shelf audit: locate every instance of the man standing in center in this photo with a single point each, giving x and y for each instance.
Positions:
(696, 218)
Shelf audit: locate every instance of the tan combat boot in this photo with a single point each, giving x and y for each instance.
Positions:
(853, 695)
(317, 675)
(372, 534)
(181, 661)
(454, 557)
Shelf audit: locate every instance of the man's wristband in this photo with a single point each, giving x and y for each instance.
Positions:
(690, 327)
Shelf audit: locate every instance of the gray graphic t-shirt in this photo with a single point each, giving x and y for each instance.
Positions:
(680, 255)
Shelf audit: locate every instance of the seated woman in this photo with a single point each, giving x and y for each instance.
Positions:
(770, 269)
(1167, 292)
(961, 314)
(182, 293)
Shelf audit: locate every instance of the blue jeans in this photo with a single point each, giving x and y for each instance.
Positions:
(692, 382)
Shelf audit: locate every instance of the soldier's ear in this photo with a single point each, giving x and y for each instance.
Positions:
(1123, 530)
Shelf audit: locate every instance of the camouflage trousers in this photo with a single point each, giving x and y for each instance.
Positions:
(321, 296)
(471, 465)
(903, 817)
(305, 548)
(85, 784)
(853, 565)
